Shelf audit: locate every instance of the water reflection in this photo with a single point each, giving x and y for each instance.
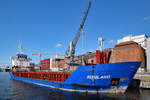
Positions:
(27, 91)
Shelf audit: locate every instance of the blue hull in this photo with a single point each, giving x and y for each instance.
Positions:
(112, 78)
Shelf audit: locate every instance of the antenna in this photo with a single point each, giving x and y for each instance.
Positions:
(100, 43)
(20, 49)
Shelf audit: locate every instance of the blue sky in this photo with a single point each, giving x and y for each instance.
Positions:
(50, 25)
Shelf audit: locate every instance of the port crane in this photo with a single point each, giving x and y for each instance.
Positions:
(47, 53)
(72, 46)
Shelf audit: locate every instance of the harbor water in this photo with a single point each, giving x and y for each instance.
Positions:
(16, 90)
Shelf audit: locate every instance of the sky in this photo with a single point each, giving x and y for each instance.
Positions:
(49, 25)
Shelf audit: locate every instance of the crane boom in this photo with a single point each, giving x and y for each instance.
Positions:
(72, 46)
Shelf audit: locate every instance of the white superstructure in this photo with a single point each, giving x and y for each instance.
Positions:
(140, 39)
(20, 61)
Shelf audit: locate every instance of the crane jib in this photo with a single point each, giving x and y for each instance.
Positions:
(70, 52)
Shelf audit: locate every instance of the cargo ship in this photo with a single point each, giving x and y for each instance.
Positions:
(98, 77)
(110, 78)
(92, 72)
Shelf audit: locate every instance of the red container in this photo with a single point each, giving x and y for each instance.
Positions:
(101, 57)
(45, 64)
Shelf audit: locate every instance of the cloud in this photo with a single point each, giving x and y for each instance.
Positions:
(111, 41)
(58, 45)
(146, 18)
